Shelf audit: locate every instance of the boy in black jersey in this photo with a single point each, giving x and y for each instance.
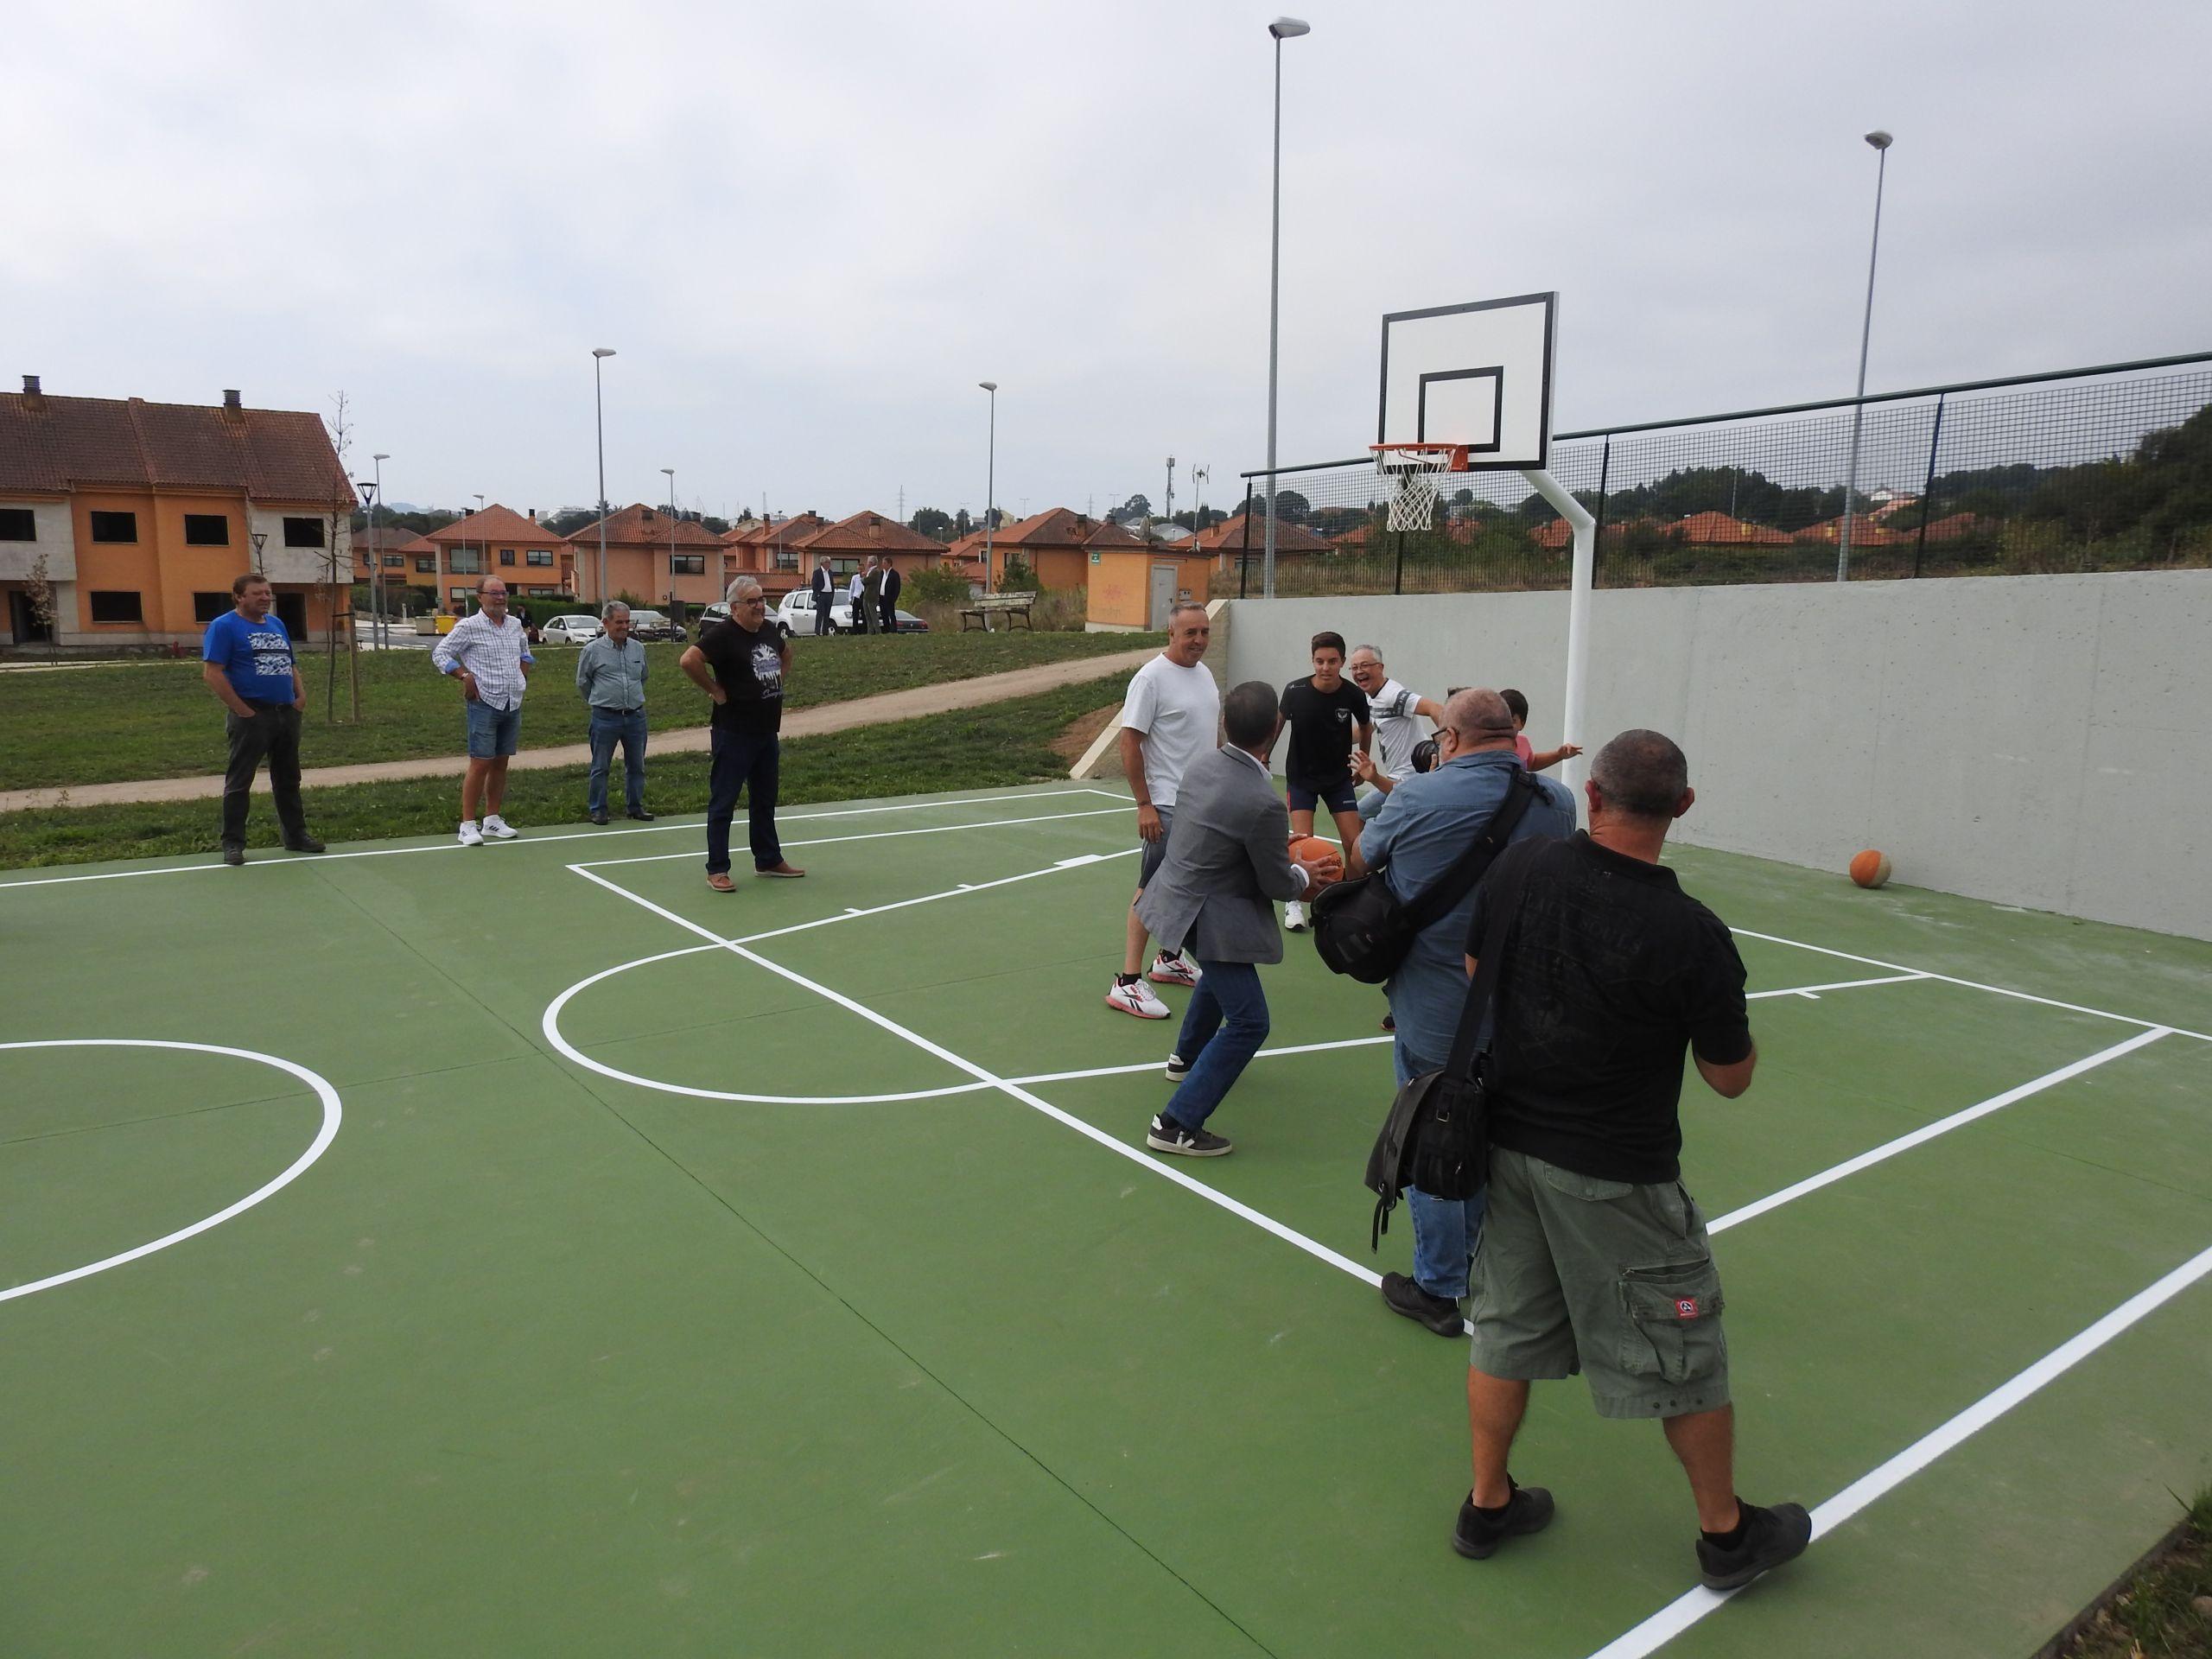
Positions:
(1327, 716)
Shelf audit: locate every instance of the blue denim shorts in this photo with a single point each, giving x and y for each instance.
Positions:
(1155, 852)
(1338, 795)
(491, 732)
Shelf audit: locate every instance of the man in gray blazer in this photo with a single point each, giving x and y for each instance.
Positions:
(1214, 896)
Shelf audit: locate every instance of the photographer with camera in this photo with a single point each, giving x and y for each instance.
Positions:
(1426, 821)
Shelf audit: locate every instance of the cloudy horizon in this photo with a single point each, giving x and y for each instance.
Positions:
(808, 234)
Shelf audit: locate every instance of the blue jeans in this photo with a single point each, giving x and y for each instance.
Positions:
(492, 732)
(1223, 1029)
(1446, 1231)
(743, 760)
(610, 727)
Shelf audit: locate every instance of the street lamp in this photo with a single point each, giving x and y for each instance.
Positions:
(376, 553)
(598, 421)
(483, 553)
(1168, 508)
(990, 479)
(670, 471)
(1881, 141)
(1283, 28)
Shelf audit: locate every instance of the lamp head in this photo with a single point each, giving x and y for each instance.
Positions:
(602, 351)
(1289, 28)
(989, 385)
(1879, 139)
(381, 456)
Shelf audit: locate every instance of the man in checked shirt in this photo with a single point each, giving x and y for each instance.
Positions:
(488, 653)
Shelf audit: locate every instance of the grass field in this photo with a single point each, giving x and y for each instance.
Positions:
(157, 720)
(992, 746)
(526, 1250)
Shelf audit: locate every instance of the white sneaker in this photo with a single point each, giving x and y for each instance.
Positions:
(470, 835)
(1134, 998)
(1174, 970)
(1294, 913)
(498, 828)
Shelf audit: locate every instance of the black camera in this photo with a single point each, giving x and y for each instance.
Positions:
(1425, 755)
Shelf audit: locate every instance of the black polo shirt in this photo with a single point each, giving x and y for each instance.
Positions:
(1322, 727)
(1610, 972)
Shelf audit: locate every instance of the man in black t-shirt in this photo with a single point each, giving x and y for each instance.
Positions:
(1594, 1258)
(1327, 717)
(740, 665)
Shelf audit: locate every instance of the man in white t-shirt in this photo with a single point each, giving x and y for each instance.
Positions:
(1398, 713)
(1171, 716)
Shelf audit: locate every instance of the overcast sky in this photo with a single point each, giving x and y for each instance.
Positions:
(809, 230)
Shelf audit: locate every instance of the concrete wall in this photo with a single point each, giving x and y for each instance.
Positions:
(2036, 741)
(50, 526)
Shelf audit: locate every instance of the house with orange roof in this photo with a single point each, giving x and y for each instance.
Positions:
(1719, 530)
(658, 561)
(136, 517)
(496, 541)
(1245, 536)
(768, 548)
(847, 545)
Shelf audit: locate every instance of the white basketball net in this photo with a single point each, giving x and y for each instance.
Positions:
(1414, 476)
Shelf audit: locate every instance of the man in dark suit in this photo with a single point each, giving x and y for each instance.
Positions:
(824, 589)
(891, 587)
(868, 615)
(1214, 896)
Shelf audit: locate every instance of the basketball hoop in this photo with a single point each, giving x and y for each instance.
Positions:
(1414, 472)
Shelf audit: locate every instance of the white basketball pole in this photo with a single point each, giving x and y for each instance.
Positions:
(1577, 620)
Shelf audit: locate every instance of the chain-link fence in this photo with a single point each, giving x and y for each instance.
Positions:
(2107, 468)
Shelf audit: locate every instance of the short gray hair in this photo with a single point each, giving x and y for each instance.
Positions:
(1370, 650)
(739, 585)
(1642, 773)
(1181, 605)
(610, 607)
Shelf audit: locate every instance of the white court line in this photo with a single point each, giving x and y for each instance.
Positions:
(1155, 1065)
(333, 1115)
(887, 835)
(1971, 985)
(1680, 1615)
(1928, 1132)
(986, 1079)
(532, 839)
(1812, 992)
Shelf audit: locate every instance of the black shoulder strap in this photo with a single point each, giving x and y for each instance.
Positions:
(1443, 894)
(1504, 901)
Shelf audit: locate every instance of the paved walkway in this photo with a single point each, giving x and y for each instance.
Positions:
(800, 722)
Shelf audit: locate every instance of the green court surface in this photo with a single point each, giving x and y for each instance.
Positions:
(576, 1261)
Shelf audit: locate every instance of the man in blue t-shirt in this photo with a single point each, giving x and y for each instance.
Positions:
(247, 661)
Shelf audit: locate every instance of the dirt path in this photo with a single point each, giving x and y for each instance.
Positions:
(803, 723)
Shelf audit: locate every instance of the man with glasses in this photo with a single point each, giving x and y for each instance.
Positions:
(740, 665)
(488, 653)
(611, 674)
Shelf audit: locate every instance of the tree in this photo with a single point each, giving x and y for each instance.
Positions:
(932, 522)
(568, 523)
(961, 524)
(38, 593)
(1290, 507)
(1137, 506)
(713, 525)
(1016, 575)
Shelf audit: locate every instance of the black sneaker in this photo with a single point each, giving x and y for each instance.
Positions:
(1438, 1314)
(641, 816)
(304, 844)
(233, 854)
(1178, 1068)
(1166, 1134)
(1477, 1536)
(1770, 1537)
(596, 817)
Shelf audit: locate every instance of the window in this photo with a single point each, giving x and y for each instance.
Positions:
(427, 563)
(688, 564)
(115, 527)
(466, 560)
(18, 524)
(206, 608)
(303, 533)
(460, 595)
(206, 530)
(117, 606)
(787, 559)
(506, 556)
(541, 557)
(395, 561)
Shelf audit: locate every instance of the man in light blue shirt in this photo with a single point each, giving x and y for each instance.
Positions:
(611, 674)
(1426, 822)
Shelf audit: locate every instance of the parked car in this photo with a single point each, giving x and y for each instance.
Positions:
(796, 616)
(572, 630)
(652, 625)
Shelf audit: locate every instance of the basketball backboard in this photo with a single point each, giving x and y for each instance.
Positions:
(1479, 374)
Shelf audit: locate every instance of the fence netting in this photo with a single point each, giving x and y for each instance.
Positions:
(2075, 474)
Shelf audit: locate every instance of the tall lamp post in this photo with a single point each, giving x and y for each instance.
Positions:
(990, 480)
(670, 471)
(600, 354)
(1283, 28)
(483, 552)
(374, 489)
(1881, 142)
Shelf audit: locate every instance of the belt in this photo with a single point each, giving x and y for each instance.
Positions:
(601, 709)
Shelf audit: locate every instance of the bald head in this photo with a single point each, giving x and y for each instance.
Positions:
(1479, 718)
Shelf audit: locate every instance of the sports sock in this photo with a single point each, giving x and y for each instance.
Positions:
(1733, 1537)
(1126, 979)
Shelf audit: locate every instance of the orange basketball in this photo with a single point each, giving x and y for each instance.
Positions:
(1871, 868)
(1312, 850)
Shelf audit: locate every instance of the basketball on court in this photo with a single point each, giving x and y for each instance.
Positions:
(1313, 850)
(1871, 868)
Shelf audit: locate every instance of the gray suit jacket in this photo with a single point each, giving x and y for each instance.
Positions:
(1228, 858)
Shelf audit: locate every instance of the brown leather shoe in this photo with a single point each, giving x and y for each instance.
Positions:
(787, 870)
(720, 882)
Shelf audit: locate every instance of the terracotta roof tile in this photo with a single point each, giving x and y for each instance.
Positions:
(49, 445)
(1227, 536)
(868, 532)
(639, 526)
(498, 524)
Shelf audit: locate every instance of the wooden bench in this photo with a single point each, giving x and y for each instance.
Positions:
(1008, 606)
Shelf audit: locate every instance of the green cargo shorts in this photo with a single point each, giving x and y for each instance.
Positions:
(1614, 1281)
